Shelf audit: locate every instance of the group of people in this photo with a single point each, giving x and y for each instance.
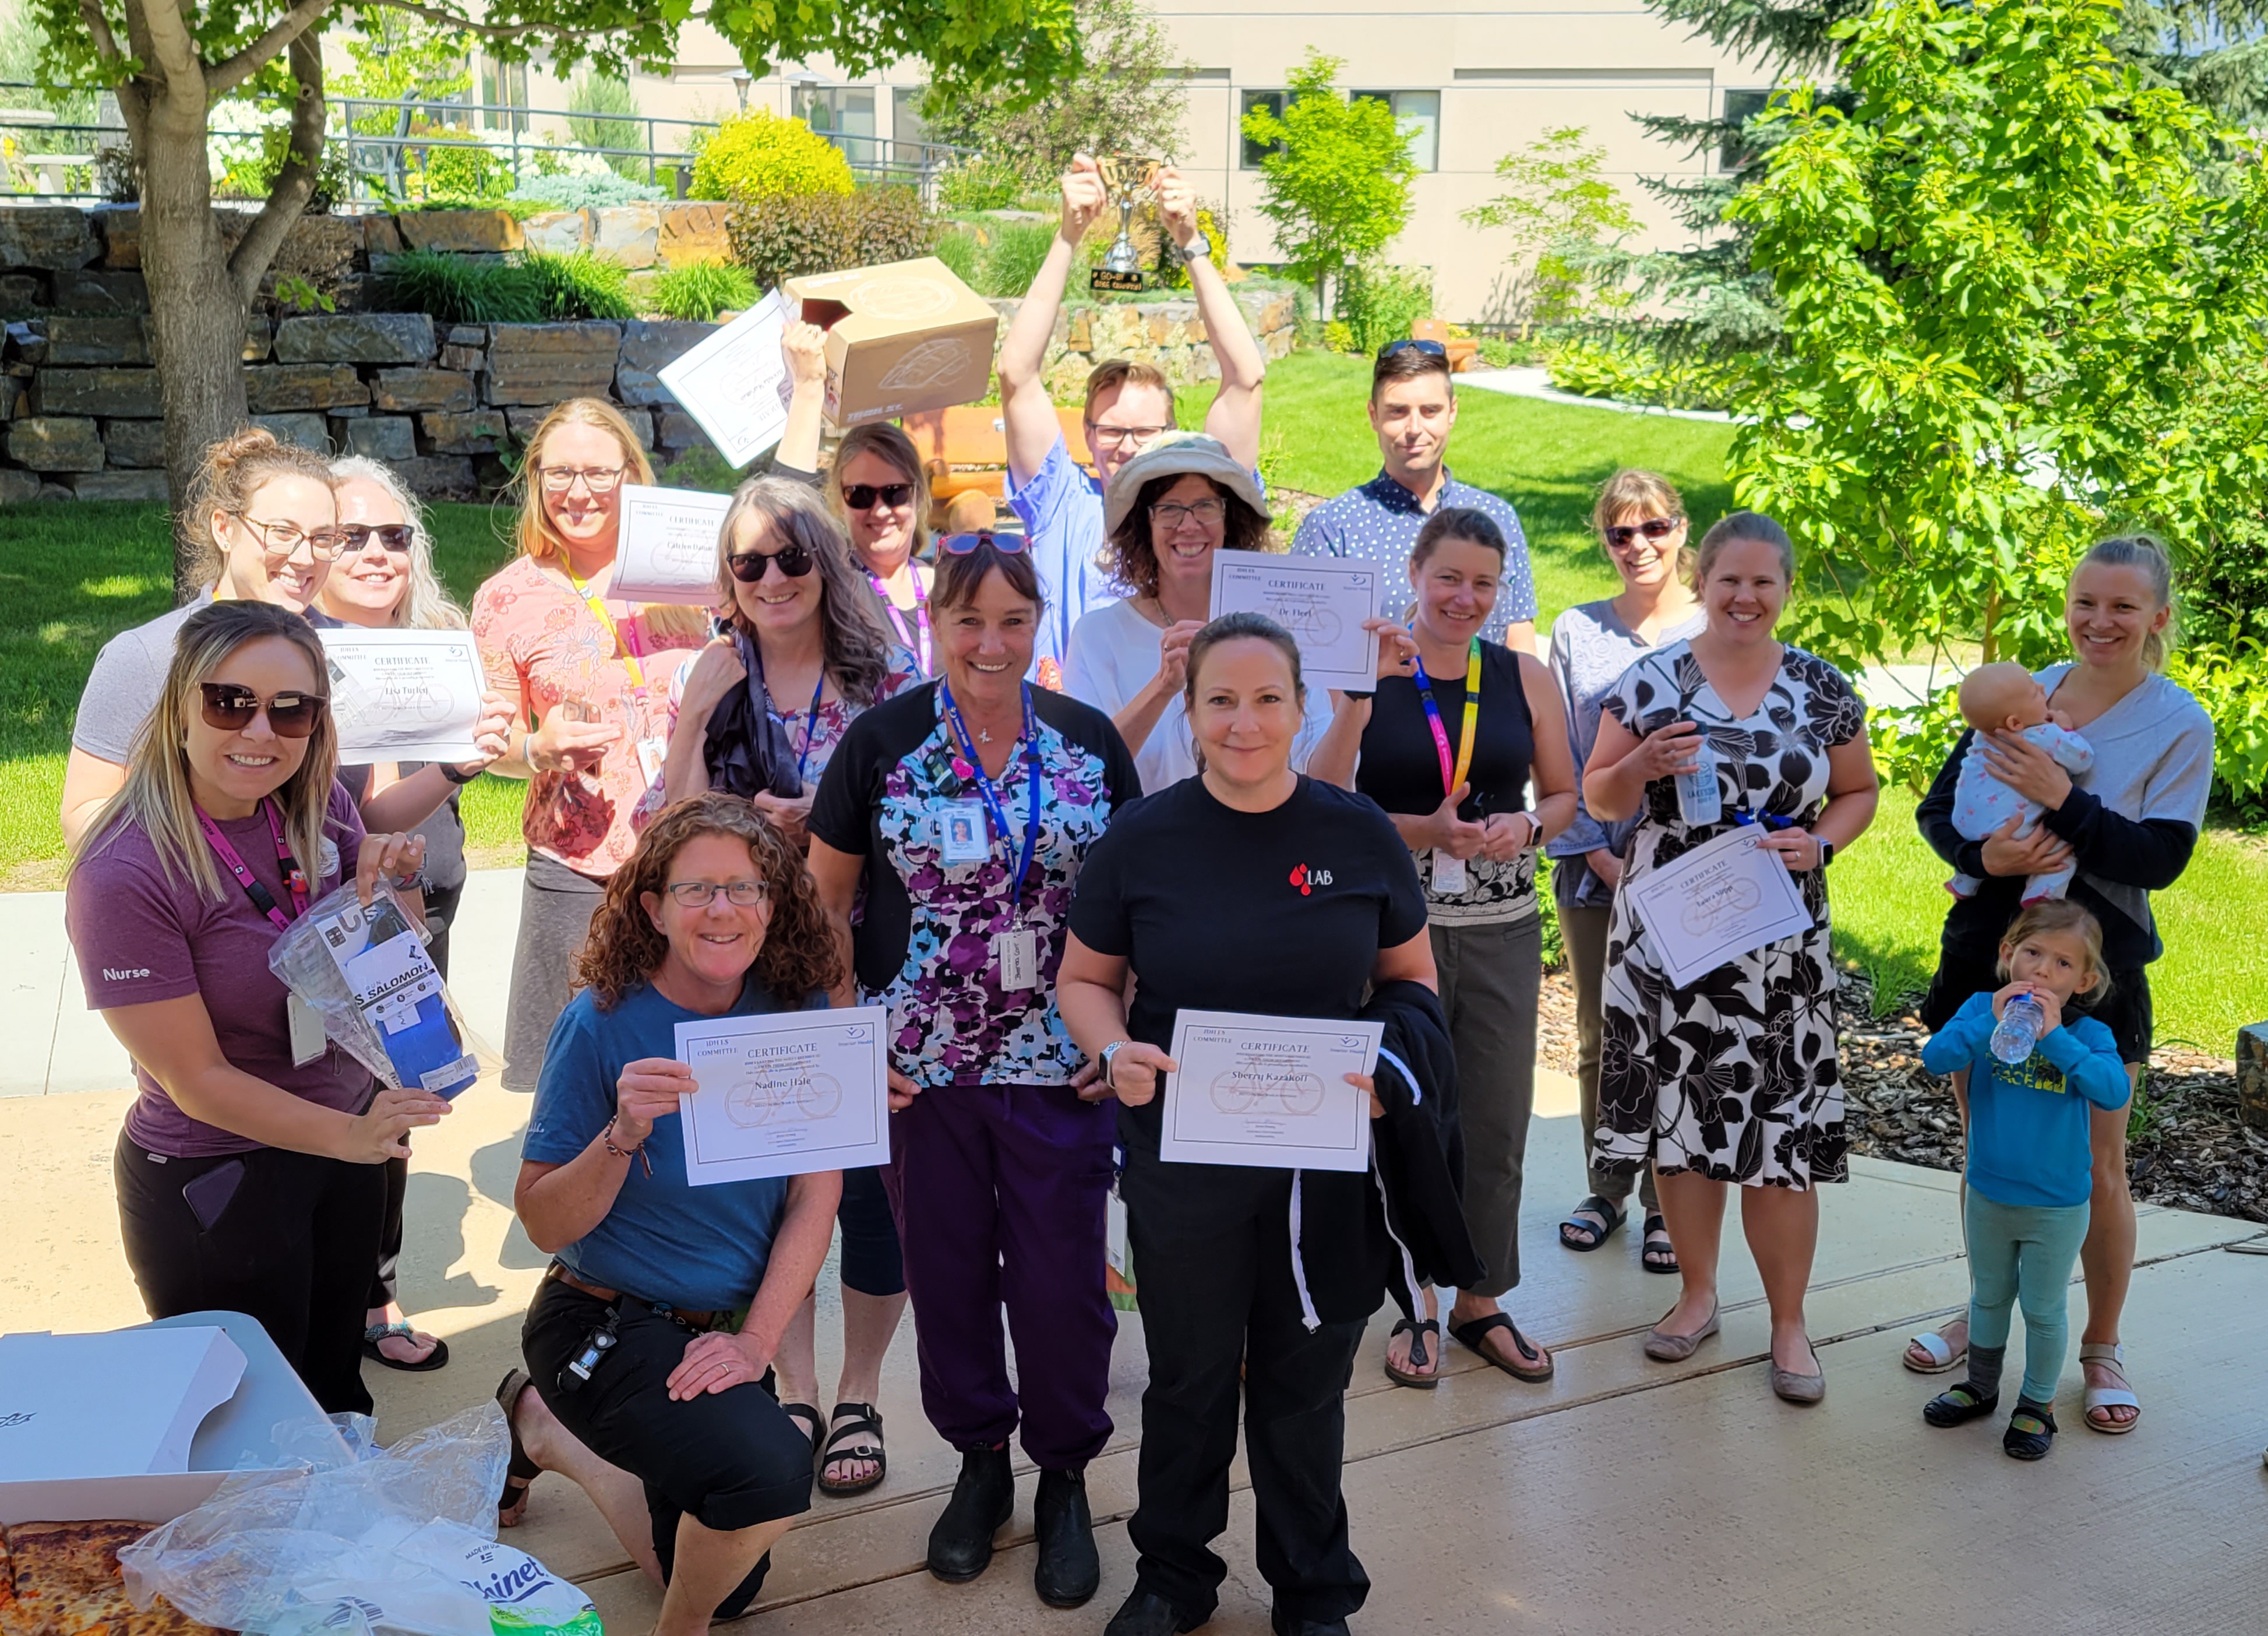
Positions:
(1020, 790)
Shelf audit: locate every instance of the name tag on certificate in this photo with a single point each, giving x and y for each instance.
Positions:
(1019, 953)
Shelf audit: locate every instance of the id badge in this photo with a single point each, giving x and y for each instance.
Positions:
(307, 1041)
(1449, 877)
(964, 838)
(650, 754)
(1020, 958)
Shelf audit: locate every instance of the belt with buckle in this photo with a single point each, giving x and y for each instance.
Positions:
(697, 1321)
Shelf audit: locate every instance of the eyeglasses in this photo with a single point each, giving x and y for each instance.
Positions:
(282, 538)
(701, 894)
(962, 544)
(232, 707)
(597, 479)
(1432, 348)
(1653, 528)
(861, 495)
(750, 567)
(1119, 436)
(395, 537)
(1171, 514)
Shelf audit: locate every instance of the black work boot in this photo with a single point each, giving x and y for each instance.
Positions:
(1069, 1570)
(1146, 1613)
(960, 1544)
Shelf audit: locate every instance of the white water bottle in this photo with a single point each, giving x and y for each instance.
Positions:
(1697, 800)
(2018, 1029)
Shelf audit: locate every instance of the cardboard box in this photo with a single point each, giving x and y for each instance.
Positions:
(269, 1419)
(901, 338)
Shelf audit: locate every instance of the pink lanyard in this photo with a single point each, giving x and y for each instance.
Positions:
(263, 899)
(898, 620)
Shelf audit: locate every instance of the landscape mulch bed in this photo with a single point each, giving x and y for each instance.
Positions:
(2192, 1152)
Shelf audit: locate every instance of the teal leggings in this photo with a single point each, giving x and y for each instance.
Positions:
(2023, 1253)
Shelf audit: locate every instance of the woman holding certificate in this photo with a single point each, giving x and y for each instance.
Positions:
(649, 1342)
(1248, 888)
(578, 666)
(1730, 1076)
(965, 809)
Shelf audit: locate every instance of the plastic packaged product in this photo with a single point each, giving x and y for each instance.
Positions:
(366, 973)
(2018, 1031)
(1698, 803)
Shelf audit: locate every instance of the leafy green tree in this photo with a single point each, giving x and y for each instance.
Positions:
(2016, 302)
(1335, 179)
(1555, 205)
(170, 63)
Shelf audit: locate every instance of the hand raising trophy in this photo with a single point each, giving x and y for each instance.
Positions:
(1125, 175)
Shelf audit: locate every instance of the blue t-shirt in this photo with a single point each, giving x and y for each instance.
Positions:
(1378, 522)
(702, 1252)
(2028, 1136)
(1061, 511)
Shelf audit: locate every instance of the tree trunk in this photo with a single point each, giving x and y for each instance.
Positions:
(1992, 644)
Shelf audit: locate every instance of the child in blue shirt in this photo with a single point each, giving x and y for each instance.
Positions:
(2030, 1169)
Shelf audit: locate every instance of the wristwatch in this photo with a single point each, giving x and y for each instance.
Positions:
(1109, 1054)
(1197, 249)
(1826, 850)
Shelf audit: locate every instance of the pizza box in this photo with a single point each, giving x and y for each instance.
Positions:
(902, 338)
(155, 1417)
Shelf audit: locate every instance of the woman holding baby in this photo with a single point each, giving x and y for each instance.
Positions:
(2102, 772)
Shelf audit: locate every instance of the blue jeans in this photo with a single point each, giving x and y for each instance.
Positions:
(2024, 1254)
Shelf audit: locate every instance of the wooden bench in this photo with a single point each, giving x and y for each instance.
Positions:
(965, 450)
(1463, 349)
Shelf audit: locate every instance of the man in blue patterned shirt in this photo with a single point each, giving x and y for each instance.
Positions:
(1412, 408)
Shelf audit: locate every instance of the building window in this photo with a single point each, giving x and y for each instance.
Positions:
(1740, 107)
(905, 113)
(1418, 113)
(845, 114)
(1273, 101)
(504, 85)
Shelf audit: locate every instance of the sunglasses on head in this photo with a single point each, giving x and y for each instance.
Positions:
(394, 537)
(232, 707)
(1653, 528)
(750, 567)
(1432, 348)
(962, 544)
(861, 495)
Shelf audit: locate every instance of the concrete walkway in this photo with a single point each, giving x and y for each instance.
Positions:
(1536, 383)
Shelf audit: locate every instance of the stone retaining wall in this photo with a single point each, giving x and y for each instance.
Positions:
(441, 403)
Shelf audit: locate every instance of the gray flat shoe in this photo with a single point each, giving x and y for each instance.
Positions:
(1664, 1347)
(1790, 1386)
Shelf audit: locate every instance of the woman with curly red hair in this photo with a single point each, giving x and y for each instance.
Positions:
(712, 916)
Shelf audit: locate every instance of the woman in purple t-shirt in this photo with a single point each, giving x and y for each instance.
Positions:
(250, 1175)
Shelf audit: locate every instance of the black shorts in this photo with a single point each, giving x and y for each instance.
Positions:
(2125, 1010)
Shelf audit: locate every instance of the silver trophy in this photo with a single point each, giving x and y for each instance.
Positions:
(1125, 175)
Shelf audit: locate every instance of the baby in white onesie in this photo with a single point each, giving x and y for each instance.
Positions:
(2007, 698)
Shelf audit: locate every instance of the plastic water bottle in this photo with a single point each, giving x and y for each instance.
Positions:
(1697, 801)
(2018, 1029)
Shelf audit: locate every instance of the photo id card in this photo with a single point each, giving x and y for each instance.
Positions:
(965, 838)
(1449, 877)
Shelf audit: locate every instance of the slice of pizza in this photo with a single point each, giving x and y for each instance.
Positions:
(66, 1582)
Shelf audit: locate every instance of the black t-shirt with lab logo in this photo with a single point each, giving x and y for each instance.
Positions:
(1280, 913)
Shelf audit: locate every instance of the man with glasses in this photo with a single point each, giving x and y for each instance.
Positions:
(1128, 404)
(1413, 410)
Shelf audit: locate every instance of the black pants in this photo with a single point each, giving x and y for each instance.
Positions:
(730, 1460)
(872, 1264)
(1212, 1257)
(288, 1238)
(440, 911)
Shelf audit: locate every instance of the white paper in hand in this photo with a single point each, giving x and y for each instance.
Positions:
(668, 545)
(404, 695)
(1322, 600)
(735, 383)
(784, 1093)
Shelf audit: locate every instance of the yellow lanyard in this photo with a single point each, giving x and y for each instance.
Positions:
(628, 654)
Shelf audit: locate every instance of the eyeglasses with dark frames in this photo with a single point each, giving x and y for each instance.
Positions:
(282, 538)
(701, 894)
(750, 567)
(1171, 514)
(1119, 436)
(597, 479)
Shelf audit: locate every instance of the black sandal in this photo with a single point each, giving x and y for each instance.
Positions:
(1654, 1257)
(807, 1415)
(862, 1421)
(1958, 1404)
(1592, 1234)
(1471, 1335)
(2028, 1442)
(521, 1475)
(1416, 1328)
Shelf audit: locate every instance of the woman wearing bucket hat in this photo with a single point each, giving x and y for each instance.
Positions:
(1166, 514)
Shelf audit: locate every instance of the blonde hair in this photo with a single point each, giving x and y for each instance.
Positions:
(156, 795)
(1630, 490)
(428, 607)
(2147, 554)
(229, 477)
(881, 437)
(854, 643)
(2060, 913)
(1122, 372)
(538, 538)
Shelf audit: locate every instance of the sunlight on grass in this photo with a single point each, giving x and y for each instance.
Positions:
(121, 584)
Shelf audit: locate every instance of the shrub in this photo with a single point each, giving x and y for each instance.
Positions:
(569, 192)
(1629, 370)
(980, 183)
(1496, 351)
(786, 237)
(453, 290)
(958, 250)
(595, 96)
(581, 285)
(702, 290)
(1010, 260)
(758, 156)
(1378, 302)
(1172, 272)
(456, 168)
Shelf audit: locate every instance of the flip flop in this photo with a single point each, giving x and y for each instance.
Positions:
(1591, 1233)
(438, 1358)
(521, 1475)
(1471, 1335)
(1416, 1329)
(862, 1423)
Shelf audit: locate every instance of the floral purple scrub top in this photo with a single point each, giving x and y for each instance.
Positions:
(929, 946)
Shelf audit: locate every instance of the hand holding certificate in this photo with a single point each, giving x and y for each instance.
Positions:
(668, 545)
(735, 382)
(1724, 899)
(1322, 600)
(784, 1093)
(1269, 1091)
(405, 695)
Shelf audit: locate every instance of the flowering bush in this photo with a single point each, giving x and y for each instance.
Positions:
(759, 155)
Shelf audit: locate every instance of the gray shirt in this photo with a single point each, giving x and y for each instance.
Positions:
(1591, 647)
(124, 687)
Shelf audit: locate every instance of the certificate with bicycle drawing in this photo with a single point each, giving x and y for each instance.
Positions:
(784, 1093)
(1269, 1092)
(1724, 899)
(1322, 600)
(669, 539)
(404, 695)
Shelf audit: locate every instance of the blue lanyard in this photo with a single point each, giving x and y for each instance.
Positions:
(810, 726)
(967, 766)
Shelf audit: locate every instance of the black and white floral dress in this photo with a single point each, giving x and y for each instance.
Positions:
(1734, 1076)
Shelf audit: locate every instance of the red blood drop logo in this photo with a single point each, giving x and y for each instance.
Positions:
(1299, 880)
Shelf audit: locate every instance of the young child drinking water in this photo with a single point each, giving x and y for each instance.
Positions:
(2029, 1169)
(2007, 698)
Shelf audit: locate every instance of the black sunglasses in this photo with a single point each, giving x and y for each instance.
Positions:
(748, 567)
(395, 537)
(1653, 528)
(859, 495)
(1433, 348)
(962, 544)
(232, 707)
